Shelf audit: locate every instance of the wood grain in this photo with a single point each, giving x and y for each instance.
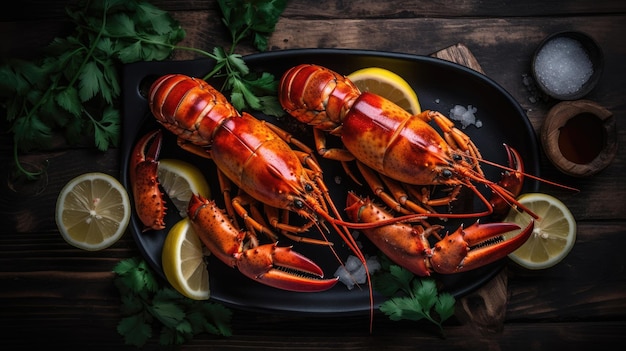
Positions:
(59, 295)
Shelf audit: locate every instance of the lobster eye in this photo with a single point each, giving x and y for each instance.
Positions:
(457, 157)
(446, 173)
(298, 203)
(308, 187)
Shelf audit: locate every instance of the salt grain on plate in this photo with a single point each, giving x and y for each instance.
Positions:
(563, 66)
(353, 271)
(465, 116)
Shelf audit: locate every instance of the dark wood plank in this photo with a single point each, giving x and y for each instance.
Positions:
(62, 295)
(30, 260)
(565, 290)
(328, 9)
(268, 334)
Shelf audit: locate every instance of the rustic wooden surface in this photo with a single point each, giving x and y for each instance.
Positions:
(52, 294)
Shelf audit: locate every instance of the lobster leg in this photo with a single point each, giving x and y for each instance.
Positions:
(454, 137)
(240, 249)
(256, 224)
(398, 200)
(149, 202)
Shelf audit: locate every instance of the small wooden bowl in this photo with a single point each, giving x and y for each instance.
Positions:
(579, 137)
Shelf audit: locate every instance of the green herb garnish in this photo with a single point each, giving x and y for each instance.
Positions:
(411, 297)
(145, 305)
(74, 90)
(245, 19)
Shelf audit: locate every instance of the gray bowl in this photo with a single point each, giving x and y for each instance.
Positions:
(560, 68)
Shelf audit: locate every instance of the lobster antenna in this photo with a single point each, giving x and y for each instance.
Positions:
(348, 239)
(491, 163)
(352, 244)
(503, 193)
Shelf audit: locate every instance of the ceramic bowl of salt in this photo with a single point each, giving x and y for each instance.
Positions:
(567, 65)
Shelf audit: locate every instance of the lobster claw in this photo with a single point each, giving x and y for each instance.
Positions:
(476, 246)
(143, 170)
(510, 181)
(269, 264)
(265, 262)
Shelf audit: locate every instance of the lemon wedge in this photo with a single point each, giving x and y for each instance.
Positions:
(180, 180)
(553, 236)
(183, 261)
(387, 84)
(92, 211)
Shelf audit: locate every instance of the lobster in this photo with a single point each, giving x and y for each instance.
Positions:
(217, 232)
(254, 155)
(396, 152)
(409, 246)
(240, 248)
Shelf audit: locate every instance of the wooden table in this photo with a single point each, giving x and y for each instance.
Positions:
(53, 294)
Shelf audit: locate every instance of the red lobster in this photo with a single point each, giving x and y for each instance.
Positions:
(408, 245)
(396, 152)
(217, 232)
(252, 154)
(257, 262)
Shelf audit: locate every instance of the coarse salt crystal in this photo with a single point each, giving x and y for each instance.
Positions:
(563, 66)
(353, 272)
(465, 116)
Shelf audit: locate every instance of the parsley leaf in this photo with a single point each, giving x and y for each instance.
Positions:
(107, 130)
(256, 20)
(411, 297)
(146, 305)
(135, 329)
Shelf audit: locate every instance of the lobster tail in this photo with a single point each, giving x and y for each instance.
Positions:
(189, 107)
(317, 97)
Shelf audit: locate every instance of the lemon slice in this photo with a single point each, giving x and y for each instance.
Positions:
(183, 261)
(553, 236)
(180, 180)
(387, 84)
(92, 211)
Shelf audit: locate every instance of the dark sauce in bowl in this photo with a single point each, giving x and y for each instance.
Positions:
(582, 138)
(579, 137)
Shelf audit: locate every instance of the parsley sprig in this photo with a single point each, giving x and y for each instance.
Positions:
(74, 89)
(145, 305)
(256, 20)
(411, 297)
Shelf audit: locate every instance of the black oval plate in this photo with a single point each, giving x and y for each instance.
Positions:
(439, 85)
